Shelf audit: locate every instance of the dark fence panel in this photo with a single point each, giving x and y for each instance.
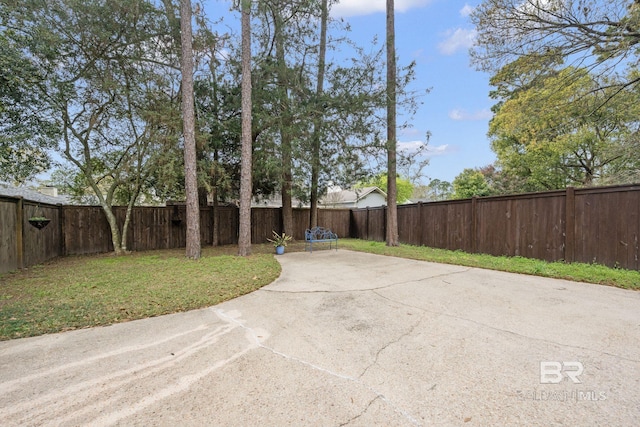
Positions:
(377, 224)
(409, 224)
(228, 217)
(337, 220)
(149, 228)
(86, 230)
(358, 220)
(301, 218)
(530, 225)
(21, 243)
(447, 225)
(10, 234)
(577, 225)
(369, 223)
(607, 226)
(43, 244)
(264, 221)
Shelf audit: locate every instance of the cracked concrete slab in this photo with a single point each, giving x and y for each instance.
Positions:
(347, 339)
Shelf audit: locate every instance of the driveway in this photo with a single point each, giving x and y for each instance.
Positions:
(347, 339)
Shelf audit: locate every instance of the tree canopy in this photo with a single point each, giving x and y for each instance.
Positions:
(555, 126)
(469, 183)
(101, 83)
(601, 35)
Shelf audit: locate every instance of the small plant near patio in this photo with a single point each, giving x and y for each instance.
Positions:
(280, 240)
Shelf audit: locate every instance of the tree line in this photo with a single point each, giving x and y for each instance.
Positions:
(292, 104)
(104, 85)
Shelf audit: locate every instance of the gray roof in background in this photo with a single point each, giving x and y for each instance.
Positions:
(33, 195)
(351, 196)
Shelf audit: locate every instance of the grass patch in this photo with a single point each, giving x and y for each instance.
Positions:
(78, 292)
(590, 273)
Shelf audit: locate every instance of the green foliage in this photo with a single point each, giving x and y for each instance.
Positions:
(554, 127)
(280, 239)
(26, 134)
(439, 190)
(469, 183)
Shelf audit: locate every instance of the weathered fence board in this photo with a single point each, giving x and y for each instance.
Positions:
(86, 230)
(337, 220)
(607, 226)
(9, 232)
(525, 225)
(264, 221)
(41, 244)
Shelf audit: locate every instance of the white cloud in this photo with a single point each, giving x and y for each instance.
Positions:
(466, 10)
(457, 39)
(439, 150)
(411, 147)
(347, 8)
(462, 115)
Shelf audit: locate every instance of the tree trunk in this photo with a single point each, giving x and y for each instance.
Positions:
(188, 119)
(392, 208)
(244, 235)
(317, 126)
(215, 229)
(285, 125)
(116, 238)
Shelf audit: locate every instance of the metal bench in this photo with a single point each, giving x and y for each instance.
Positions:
(319, 235)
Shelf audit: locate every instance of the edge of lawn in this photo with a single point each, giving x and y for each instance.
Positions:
(96, 290)
(578, 272)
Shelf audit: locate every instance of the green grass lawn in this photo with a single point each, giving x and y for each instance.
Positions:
(591, 273)
(84, 291)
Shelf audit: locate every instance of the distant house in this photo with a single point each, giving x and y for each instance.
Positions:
(355, 198)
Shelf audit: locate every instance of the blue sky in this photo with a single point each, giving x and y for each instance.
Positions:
(437, 34)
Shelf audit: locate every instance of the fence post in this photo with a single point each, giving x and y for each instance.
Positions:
(570, 225)
(384, 224)
(419, 223)
(61, 227)
(20, 233)
(474, 224)
(367, 226)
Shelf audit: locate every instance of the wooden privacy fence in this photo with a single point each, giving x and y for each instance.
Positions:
(599, 225)
(77, 230)
(22, 245)
(577, 225)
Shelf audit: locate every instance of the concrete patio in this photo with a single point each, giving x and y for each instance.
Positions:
(346, 338)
